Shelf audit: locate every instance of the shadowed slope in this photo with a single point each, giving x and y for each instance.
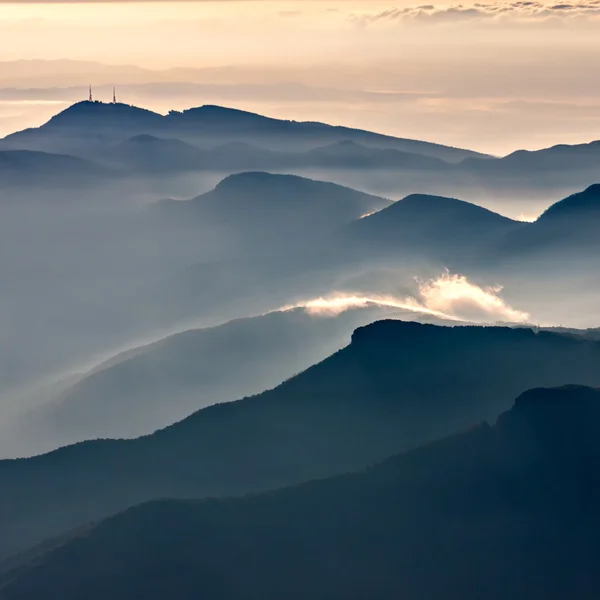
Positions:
(25, 167)
(395, 386)
(155, 385)
(267, 209)
(504, 512)
(434, 226)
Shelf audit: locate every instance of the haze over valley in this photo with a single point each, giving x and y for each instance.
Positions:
(319, 322)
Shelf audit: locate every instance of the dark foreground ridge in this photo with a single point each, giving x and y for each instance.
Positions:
(396, 386)
(503, 512)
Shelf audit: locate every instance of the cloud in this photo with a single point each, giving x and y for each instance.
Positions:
(449, 296)
(522, 10)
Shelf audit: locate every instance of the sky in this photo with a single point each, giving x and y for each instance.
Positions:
(493, 76)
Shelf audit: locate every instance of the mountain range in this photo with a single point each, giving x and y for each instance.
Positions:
(324, 245)
(263, 209)
(88, 126)
(396, 386)
(147, 154)
(19, 167)
(454, 231)
(136, 142)
(503, 511)
(346, 441)
(154, 385)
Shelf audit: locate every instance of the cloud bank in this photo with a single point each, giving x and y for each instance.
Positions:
(449, 296)
(522, 10)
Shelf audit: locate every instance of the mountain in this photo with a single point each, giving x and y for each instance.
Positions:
(88, 126)
(556, 170)
(85, 127)
(508, 511)
(581, 206)
(221, 122)
(151, 154)
(562, 157)
(397, 385)
(148, 153)
(347, 154)
(270, 209)
(430, 226)
(459, 233)
(24, 167)
(152, 386)
(568, 227)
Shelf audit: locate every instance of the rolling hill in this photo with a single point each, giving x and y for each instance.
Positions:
(42, 169)
(567, 228)
(348, 154)
(431, 226)
(152, 386)
(149, 154)
(272, 210)
(397, 385)
(502, 512)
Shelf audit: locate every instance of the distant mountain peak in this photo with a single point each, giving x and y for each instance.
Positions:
(144, 138)
(103, 113)
(248, 180)
(254, 178)
(428, 207)
(588, 200)
(214, 113)
(432, 201)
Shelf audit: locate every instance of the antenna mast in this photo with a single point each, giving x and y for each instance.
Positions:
(114, 95)
(90, 99)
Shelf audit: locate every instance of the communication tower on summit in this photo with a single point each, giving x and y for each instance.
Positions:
(114, 96)
(90, 99)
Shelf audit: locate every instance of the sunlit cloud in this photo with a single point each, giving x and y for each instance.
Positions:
(522, 10)
(449, 296)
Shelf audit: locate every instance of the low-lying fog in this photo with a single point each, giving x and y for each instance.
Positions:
(89, 272)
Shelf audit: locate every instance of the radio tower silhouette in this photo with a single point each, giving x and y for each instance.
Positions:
(114, 95)
(90, 99)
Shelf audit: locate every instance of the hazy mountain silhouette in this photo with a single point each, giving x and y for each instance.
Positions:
(152, 386)
(146, 152)
(397, 166)
(459, 233)
(502, 512)
(20, 167)
(150, 154)
(434, 226)
(269, 209)
(569, 226)
(397, 385)
(562, 157)
(85, 126)
(349, 154)
(583, 205)
(88, 125)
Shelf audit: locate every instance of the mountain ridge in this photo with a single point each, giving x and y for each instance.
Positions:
(206, 120)
(514, 503)
(374, 398)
